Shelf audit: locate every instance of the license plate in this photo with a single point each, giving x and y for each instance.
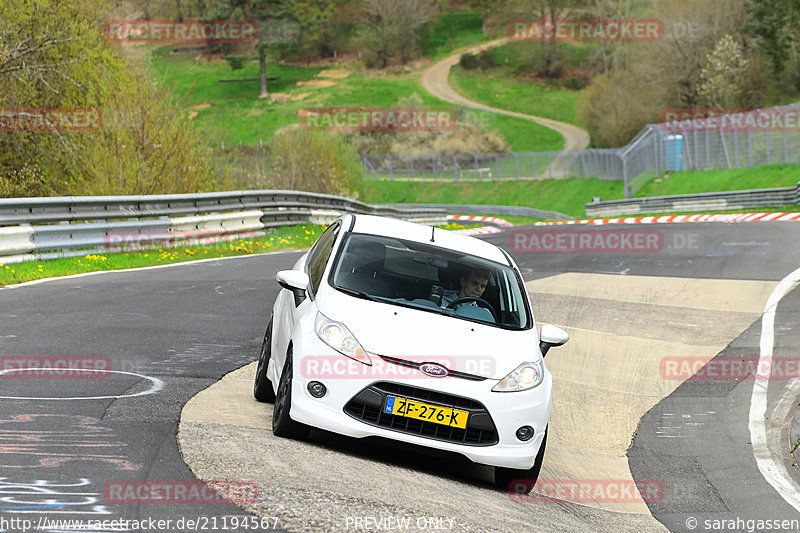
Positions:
(423, 411)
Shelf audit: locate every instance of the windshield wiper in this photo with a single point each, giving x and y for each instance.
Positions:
(357, 294)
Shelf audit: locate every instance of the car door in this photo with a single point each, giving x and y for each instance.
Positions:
(286, 312)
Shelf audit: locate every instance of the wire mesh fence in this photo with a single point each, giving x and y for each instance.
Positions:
(735, 140)
(603, 164)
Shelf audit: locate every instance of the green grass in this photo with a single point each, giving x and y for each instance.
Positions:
(524, 135)
(283, 238)
(763, 209)
(232, 113)
(453, 31)
(531, 98)
(513, 84)
(523, 57)
(238, 115)
(569, 196)
(691, 182)
(566, 196)
(296, 237)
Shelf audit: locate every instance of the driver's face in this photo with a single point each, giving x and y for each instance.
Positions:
(473, 286)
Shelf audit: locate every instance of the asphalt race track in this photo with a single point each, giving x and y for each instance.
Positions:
(636, 318)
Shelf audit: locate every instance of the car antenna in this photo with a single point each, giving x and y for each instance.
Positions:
(433, 228)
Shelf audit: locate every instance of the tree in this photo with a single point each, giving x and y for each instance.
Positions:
(776, 25)
(317, 19)
(675, 71)
(411, 16)
(723, 74)
(276, 24)
(548, 11)
(395, 25)
(612, 55)
(380, 30)
(485, 7)
(53, 55)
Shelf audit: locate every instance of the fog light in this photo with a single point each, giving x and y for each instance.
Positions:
(525, 433)
(317, 389)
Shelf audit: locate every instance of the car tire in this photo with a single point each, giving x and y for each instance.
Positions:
(262, 386)
(282, 423)
(524, 480)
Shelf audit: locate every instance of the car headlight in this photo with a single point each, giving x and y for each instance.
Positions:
(337, 336)
(525, 376)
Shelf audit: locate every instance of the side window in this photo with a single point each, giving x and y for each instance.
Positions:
(319, 255)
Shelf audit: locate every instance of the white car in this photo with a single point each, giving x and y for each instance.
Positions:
(378, 333)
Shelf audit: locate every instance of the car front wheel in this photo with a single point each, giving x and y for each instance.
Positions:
(523, 480)
(262, 387)
(282, 423)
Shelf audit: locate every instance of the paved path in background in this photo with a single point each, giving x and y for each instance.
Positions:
(434, 80)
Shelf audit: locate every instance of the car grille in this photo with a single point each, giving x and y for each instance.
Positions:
(367, 406)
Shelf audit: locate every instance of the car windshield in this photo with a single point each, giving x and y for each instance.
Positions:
(430, 278)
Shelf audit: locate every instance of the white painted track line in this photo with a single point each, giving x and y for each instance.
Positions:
(770, 466)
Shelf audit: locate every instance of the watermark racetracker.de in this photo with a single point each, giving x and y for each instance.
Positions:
(180, 492)
(687, 120)
(378, 119)
(52, 119)
(115, 241)
(398, 367)
(565, 239)
(728, 368)
(587, 491)
(54, 366)
(586, 30)
(182, 31)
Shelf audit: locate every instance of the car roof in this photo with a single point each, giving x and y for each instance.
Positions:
(393, 227)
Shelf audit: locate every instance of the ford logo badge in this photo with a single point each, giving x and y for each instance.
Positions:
(433, 370)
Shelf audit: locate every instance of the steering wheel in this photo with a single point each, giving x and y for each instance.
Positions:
(480, 301)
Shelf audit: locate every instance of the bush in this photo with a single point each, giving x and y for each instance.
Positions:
(313, 161)
(466, 136)
(574, 84)
(146, 146)
(614, 108)
(483, 61)
(486, 60)
(25, 181)
(469, 62)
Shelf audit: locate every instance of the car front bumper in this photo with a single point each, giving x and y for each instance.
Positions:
(345, 379)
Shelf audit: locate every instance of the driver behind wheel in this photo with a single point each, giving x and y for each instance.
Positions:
(472, 285)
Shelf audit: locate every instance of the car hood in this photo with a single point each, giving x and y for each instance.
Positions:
(422, 336)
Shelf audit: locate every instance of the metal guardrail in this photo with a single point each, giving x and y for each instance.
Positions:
(493, 210)
(46, 228)
(73, 208)
(712, 201)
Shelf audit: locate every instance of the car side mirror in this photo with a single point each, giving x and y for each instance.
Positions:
(295, 281)
(551, 336)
